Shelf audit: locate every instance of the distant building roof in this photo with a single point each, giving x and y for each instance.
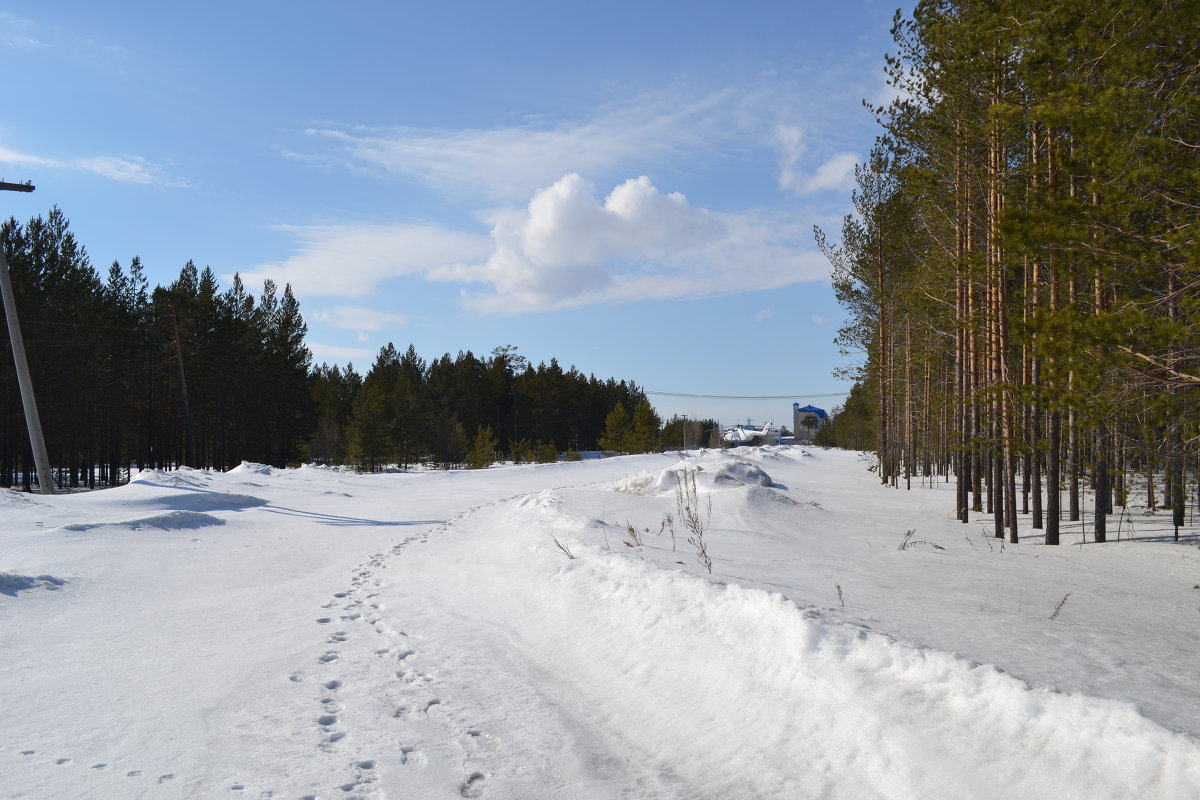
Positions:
(820, 412)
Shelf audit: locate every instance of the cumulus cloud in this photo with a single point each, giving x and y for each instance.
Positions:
(352, 260)
(569, 248)
(565, 244)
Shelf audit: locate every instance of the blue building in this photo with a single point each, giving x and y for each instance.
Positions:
(805, 420)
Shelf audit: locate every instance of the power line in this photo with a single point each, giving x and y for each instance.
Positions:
(746, 397)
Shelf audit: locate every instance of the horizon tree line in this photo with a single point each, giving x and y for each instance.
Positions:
(195, 375)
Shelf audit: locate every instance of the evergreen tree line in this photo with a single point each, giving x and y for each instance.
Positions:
(1021, 269)
(460, 411)
(191, 374)
(182, 375)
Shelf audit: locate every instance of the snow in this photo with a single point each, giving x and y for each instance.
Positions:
(318, 633)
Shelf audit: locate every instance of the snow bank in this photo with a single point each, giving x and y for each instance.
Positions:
(741, 691)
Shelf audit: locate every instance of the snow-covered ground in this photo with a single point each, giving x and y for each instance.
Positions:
(317, 633)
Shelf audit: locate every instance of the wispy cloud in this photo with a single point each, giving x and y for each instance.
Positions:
(507, 163)
(358, 318)
(16, 33)
(335, 352)
(835, 173)
(126, 169)
(353, 260)
(12, 157)
(764, 315)
(123, 168)
(790, 139)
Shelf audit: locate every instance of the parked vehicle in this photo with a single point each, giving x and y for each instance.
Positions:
(752, 435)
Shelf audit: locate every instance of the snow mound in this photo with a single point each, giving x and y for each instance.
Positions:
(171, 521)
(765, 497)
(743, 474)
(207, 501)
(252, 468)
(661, 481)
(183, 477)
(12, 582)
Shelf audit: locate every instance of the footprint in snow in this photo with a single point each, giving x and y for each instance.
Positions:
(411, 756)
(329, 657)
(472, 786)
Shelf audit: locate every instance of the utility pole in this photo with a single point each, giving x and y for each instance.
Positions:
(41, 459)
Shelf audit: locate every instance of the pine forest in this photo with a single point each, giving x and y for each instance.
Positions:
(1021, 269)
(192, 374)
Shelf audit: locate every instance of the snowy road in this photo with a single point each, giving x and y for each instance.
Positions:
(312, 633)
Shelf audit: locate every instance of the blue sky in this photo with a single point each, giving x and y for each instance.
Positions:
(628, 187)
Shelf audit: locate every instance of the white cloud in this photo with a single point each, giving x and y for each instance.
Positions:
(357, 318)
(790, 139)
(560, 248)
(352, 260)
(569, 249)
(25, 159)
(507, 163)
(837, 174)
(15, 33)
(331, 351)
(764, 315)
(816, 319)
(126, 169)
